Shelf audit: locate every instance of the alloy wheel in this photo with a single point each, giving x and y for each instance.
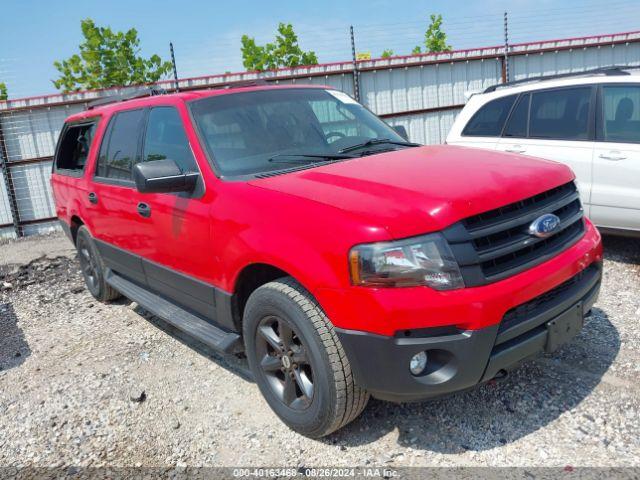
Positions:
(284, 362)
(88, 265)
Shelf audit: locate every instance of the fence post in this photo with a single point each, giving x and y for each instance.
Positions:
(8, 183)
(356, 73)
(175, 70)
(505, 61)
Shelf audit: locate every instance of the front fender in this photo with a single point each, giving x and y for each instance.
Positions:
(307, 239)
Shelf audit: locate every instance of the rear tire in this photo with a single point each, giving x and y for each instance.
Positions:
(312, 390)
(93, 267)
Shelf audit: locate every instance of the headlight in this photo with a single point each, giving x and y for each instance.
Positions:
(425, 260)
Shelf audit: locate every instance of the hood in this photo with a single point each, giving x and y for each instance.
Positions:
(418, 190)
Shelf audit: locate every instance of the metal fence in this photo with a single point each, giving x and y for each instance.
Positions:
(423, 93)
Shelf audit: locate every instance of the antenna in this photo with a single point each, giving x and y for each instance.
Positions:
(175, 71)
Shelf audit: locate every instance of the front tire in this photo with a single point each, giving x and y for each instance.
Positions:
(93, 267)
(298, 361)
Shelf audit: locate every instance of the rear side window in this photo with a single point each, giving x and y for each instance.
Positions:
(519, 118)
(119, 149)
(73, 149)
(166, 139)
(489, 120)
(621, 112)
(561, 114)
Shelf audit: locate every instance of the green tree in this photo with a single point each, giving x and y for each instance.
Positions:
(284, 52)
(435, 40)
(254, 56)
(108, 59)
(3, 91)
(387, 53)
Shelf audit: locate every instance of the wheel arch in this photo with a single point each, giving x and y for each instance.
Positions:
(286, 254)
(75, 224)
(249, 279)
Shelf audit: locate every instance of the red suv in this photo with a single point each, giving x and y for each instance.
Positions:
(291, 224)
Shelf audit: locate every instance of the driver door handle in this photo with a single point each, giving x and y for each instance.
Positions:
(144, 210)
(515, 149)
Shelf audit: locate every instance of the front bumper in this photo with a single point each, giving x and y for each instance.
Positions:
(387, 311)
(460, 359)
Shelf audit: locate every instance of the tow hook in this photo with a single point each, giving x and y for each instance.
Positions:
(501, 375)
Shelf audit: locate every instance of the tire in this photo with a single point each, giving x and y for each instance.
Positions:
(93, 267)
(315, 355)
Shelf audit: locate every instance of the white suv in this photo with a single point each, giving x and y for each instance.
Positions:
(589, 121)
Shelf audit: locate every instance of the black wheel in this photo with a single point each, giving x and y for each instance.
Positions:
(298, 361)
(284, 362)
(93, 267)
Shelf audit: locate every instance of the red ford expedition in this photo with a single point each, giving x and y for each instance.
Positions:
(291, 224)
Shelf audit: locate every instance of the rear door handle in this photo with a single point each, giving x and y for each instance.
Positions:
(144, 210)
(93, 198)
(613, 155)
(516, 149)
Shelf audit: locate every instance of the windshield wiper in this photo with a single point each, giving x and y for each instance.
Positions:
(306, 157)
(377, 141)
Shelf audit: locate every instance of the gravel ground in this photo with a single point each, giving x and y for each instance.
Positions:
(87, 384)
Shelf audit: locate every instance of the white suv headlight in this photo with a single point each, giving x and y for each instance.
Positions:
(425, 260)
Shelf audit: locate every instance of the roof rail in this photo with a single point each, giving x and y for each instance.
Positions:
(612, 70)
(246, 83)
(138, 93)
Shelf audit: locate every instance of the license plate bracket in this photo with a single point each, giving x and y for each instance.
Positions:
(564, 327)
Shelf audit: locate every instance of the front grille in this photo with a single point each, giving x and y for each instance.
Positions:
(496, 244)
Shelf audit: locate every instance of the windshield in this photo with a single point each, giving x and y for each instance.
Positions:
(252, 132)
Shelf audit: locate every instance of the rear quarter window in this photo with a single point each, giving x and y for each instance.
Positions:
(73, 148)
(621, 114)
(489, 120)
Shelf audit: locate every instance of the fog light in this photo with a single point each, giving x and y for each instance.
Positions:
(418, 363)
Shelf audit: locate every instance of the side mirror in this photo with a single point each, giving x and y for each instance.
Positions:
(163, 176)
(400, 130)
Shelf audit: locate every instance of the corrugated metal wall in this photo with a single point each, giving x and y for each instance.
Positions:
(425, 87)
(423, 93)
(574, 60)
(340, 81)
(5, 211)
(33, 190)
(30, 138)
(33, 133)
(426, 128)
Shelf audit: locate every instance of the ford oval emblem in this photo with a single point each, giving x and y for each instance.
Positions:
(544, 226)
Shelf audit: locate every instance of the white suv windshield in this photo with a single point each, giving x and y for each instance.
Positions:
(253, 132)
